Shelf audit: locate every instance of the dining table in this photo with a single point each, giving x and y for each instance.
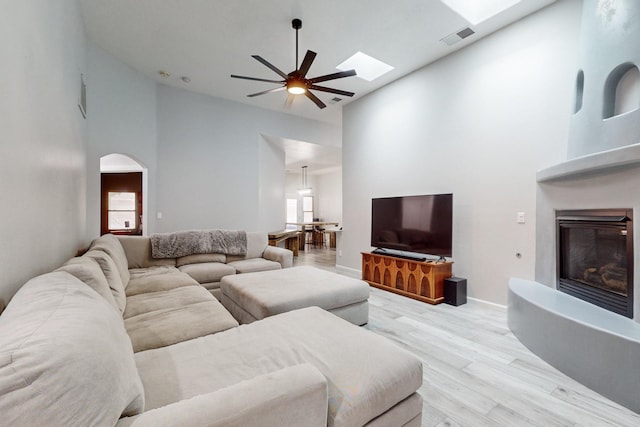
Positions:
(313, 223)
(304, 226)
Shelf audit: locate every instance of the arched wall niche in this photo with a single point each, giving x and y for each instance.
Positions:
(621, 91)
(579, 91)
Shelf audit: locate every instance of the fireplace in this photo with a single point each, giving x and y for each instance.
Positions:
(595, 257)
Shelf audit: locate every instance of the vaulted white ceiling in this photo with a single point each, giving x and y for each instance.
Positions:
(208, 40)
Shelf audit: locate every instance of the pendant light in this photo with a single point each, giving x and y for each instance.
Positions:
(305, 190)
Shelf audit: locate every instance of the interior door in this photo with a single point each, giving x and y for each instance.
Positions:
(121, 203)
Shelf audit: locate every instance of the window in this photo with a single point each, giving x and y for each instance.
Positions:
(292, 212)
(307, 209)
(121, 211)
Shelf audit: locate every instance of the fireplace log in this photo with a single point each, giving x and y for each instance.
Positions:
(614, 277)
(588, 274)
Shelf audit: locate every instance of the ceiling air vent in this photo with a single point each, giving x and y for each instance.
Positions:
(335, 99)
(454, 38)
(463, 34)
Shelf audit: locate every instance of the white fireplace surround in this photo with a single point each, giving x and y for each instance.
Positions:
(599, 348)
(605, 180)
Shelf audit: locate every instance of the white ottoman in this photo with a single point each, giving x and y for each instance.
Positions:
(254, 296)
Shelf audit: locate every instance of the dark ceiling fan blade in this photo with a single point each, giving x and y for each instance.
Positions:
(289, 101)
(333, 76)
(331, 90)
(306, 63)
(257, 79)
(315, 99)
(270, 65)
(278, 89)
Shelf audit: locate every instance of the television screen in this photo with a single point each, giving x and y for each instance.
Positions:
(421, 224)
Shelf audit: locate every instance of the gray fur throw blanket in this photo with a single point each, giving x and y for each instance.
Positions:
(182, 243)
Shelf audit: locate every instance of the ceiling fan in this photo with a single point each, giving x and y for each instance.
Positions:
(296, 82)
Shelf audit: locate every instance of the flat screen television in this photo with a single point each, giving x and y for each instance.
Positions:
(419, 224)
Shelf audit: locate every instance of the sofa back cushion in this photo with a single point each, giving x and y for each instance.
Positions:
(112, 274)
(112, 246)
(138, 253)
(256, 243)
(65, 358)
(87, 270)
(200, 259)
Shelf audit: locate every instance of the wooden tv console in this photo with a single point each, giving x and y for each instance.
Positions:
(421, 280)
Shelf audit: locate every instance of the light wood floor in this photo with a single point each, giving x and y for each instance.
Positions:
(476, 373)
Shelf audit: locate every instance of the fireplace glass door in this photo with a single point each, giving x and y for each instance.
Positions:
(595, 258)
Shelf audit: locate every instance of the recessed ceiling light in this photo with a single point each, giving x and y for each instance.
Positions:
(164, 74)
(476, 11)
(366, 67)
(185, 79)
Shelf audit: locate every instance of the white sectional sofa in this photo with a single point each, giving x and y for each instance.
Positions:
(209, 269)
(109, 340)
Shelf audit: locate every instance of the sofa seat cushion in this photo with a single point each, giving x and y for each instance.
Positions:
(206, 272)
(174, 324)
(65, 358)
(295, 396)
(158, 282)
(136, 273)
(173, 298)
(366, 373)
(211, 286)
(254, 264)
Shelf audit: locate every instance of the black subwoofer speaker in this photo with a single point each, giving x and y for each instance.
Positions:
(455, 291)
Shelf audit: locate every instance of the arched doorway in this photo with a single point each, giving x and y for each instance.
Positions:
(123, 184)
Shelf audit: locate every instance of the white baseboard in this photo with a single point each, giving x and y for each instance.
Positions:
(354, 272)
(493, 304)
(349, 271)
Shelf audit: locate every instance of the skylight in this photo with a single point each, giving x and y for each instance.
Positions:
(476, 11)
(366, 67)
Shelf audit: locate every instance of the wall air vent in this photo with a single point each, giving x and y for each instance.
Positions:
(455, 37)
(463, 34)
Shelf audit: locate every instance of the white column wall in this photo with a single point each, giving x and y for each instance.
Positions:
(271, 164)
(329, 196)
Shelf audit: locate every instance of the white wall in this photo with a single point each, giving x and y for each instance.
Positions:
(328, 190)
(271, 185)
(209, 161)
(42, 139)
(327, 193)
(121, 104)
(478, 123)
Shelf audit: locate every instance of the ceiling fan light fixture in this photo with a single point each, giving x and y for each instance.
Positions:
(296, 82)
(305, 190)
(296, 87)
